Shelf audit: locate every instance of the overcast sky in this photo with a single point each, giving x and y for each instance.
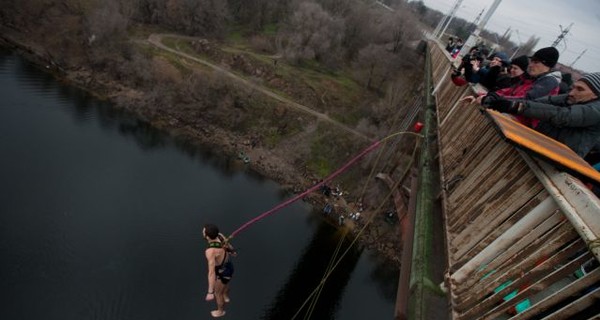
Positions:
(542, 19)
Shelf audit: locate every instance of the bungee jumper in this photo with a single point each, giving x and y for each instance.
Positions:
(219, 251)
(220, 268)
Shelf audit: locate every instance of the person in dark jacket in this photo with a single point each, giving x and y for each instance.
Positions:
(495, 75)
(450, 45)
(465, 69)
(566, 83)
(573, 118)
(540, 67)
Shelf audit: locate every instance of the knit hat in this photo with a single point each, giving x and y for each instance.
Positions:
(502, 56)
(548, 56)
(593, 81)
(521, 61)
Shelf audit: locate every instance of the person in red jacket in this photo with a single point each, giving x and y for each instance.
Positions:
(520, 80)
(539, 81)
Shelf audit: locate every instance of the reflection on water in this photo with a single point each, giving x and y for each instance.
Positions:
(100, 218)
(318, 257)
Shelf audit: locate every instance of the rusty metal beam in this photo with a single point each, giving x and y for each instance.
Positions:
(568, 291)
(407, 225)
(423, 289)
(497, 226)
(577, 306)
(541, 271)
(516, 265)
(550, 278)
(540, 213)
(576, 201)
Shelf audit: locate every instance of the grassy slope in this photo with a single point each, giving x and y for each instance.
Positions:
(334, 93)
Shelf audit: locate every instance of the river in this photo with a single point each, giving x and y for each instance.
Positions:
(101, 218)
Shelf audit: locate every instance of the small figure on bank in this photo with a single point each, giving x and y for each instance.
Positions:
(220, 268)
(328, 208)
(325, 190)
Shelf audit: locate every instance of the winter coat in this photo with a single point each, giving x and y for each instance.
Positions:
(577, 126)
(518, 89)
(492, 78)
(545, 85)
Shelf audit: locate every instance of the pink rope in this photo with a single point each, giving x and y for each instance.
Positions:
(303, 194)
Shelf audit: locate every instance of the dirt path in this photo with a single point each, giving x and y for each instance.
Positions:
(155, 40)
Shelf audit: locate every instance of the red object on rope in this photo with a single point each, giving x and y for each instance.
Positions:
(418, 127)
(311, 189)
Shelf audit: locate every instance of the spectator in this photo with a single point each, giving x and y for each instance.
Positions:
(573, 118)
(465, 66)
(457, 48)
(520, 81)
(450, 45)
(495, 76)
(545, 81)
(540, 68)
(471, 68)
(566, 83)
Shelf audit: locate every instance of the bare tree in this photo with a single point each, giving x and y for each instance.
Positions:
(256, 14)
(106, 34)
(397, 29)
(374, 66)
(359, 29)
(527, 47)
(312, 33)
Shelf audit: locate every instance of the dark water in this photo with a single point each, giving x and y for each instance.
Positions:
(100, 218)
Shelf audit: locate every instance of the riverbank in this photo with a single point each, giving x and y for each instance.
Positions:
(273, 163)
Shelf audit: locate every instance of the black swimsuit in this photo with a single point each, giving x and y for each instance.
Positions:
(224, 271)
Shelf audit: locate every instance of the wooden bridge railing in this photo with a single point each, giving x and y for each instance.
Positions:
(518, 231)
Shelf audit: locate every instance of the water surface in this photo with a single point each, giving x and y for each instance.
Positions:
(100, 218)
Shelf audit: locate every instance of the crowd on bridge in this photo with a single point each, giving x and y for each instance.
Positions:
(537, 94)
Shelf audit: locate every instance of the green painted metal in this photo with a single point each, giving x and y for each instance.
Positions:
(421, 285)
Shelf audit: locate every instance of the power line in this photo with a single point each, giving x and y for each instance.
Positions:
(579, 56)
(562, 35)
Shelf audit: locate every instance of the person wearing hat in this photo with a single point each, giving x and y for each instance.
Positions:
(573, 118)
(495, 75)
(545, 81)
(520, 82)
(464, 72)
(540, 66)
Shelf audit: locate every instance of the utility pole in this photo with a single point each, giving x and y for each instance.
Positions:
(454, 10)
(440, 24)
(562, 35)
(478, 17)
(518, 46)
(476, 21)
(474, 37)
(576, 59)
(506, 33)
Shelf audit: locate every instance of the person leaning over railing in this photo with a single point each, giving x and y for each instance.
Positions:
(573, 118)
(543, 81)
(495, 75)
(520, 82)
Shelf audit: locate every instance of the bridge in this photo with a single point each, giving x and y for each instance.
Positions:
(500, 224)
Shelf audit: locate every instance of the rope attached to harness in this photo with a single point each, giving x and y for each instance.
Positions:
(339, 171)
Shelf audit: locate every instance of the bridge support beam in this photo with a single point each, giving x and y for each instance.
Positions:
(425, 267)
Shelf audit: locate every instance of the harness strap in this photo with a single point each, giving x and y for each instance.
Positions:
(215, 245)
